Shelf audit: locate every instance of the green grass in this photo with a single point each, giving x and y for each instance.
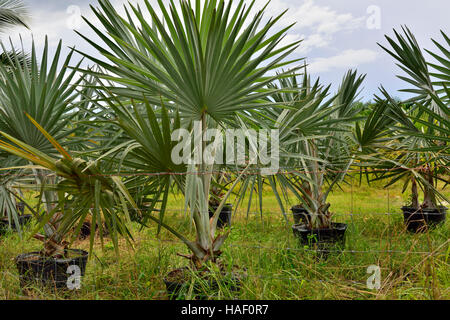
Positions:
(277, 267)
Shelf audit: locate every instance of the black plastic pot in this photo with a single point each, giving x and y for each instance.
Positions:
(87, 229)
(224, 216)
(49, 272)
(23, 220)
(323, 240)
(21, 207)
(420, 220)
(300, 215)
(178, 289)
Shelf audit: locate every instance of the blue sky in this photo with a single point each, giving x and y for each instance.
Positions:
(338, 34)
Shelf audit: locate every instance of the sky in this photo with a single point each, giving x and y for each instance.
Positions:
(337, 34)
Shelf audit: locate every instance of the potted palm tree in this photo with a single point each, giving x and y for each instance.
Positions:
(83, 192)
(50, 96)
(48, 93)
(316, 143)
(207, 62)
(12, 14)
(300, 94)
(422, 129)
(416, 159)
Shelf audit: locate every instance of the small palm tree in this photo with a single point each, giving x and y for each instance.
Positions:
(50, 95)
(12, 13)
(83, 191)
(207, 62)
(316, 143)
(420, 139)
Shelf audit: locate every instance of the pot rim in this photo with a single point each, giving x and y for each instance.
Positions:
(412, 210)
(238, 275)
(5, 219)
(82, 252)
(335, 226)
(225, 205)
(298, 208)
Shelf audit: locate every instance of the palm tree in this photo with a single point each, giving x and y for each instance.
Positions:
(49, 94)
(83, 191)
(316, 144)
(208, 63)
(422, 122)
(12, 13)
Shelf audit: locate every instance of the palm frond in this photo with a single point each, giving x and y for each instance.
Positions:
(13, 13)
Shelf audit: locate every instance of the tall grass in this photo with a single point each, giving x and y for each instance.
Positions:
(277, 267)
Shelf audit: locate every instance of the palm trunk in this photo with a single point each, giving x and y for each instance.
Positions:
(414, 194)
(429, 200)
(52, 240)
(201, 216)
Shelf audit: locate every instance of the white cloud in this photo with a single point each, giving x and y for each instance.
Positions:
(316, 40)
(315, 24)
(346, 60)
(323, 19)
(55, 24)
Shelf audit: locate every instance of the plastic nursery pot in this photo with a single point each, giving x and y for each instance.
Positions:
(324, 240)
(87, 229)
(23, 220)
(135, 216)
(21, 207)
(178, 283)
(224, 216)
(48, 271)
(420, 220)
(300, 214)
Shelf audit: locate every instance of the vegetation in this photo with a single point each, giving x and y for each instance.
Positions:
(315, 139)
(418, 152)
(98, 149)
(205, 63)
(277, 267)
(12, 13)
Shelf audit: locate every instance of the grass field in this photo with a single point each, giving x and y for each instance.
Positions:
(277, 267)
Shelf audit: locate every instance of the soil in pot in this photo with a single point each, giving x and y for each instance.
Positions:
(325, 241)
(421, 220)
(179, 283)
(224, 216)
(49, 271)
(23, 221)
(300, 214)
